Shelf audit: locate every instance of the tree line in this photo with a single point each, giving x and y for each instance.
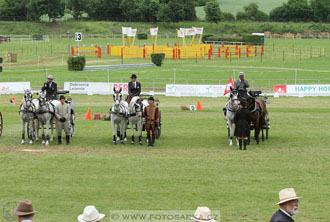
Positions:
(160, 10)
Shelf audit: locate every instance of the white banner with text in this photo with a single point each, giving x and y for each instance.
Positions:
(195, 90)
(14, 87)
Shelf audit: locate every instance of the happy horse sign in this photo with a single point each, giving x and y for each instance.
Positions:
(304, 90)
(195, 90)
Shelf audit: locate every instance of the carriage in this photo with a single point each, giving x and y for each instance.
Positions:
(255, 95)
(1, 123)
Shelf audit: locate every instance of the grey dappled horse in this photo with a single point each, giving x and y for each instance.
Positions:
(118, 113)
(46, 116)
(232, 105)
(135, 111)
(27, 112)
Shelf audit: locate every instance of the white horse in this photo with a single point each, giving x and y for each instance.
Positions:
(46, 115)
(135, 111)
(232, 105)
(118, 113)
(27, 112)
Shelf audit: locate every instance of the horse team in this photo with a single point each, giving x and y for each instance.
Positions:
(257, 108)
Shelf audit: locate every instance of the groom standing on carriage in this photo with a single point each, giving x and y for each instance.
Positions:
(241, 86)
(134, 88)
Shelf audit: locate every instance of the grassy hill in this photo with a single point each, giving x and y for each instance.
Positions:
(235, 6)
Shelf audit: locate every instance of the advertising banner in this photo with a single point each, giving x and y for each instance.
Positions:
(13, 87)
(195, 90)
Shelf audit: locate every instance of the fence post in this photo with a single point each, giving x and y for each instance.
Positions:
(108, 75)
(295, 76)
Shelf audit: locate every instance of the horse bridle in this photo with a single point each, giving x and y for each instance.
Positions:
(28, 99)
(230, 107)
(120, 107)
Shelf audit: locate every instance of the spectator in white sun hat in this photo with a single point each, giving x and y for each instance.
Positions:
(203, 214)
(90, 215)
(289, 203)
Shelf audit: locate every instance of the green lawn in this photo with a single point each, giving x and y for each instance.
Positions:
(192, 164)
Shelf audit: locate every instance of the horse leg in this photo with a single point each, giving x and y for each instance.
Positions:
(52, 130)
(139, 126)
(257, 131)
(132, 132)
(41, 124)
(23, 130)
(230, 133)
(262, 123)
(36, 129)
(47, 132)
(31, 131)
(113, 131)
(122, 132)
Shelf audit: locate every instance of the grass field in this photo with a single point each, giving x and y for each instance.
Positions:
(192, 164)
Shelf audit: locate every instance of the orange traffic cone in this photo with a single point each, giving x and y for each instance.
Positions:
(199, 105)
(88, 115)
(14, 100)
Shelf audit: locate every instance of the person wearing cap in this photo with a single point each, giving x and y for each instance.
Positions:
(51, 88)
(90, 214)
(203, 214)
(242, 119)
(289, 203)
(62, 113)
(151, 115)
(241, 86)
(134, 88)
(24, 211)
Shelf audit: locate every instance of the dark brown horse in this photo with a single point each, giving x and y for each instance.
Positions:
(258, 109)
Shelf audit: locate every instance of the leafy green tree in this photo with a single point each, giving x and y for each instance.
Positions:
(251, 12)
(279, 14)
(105, 10)
(128, 9)
(78, 7)
(189, 10)
(162, 14)
(148, 10)
(299, 11)
(213, 12)
(227, 16)
(321, 10)
(14, 9)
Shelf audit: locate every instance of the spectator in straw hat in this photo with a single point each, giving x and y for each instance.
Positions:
(51, 88)
(203, 214)
(90, 214)
(289, 203)
(24, 211)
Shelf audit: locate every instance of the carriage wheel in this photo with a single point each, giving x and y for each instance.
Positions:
(1, 124)
(159, 128)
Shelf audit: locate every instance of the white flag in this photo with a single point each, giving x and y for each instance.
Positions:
(181, 33)
(198, 31)
(132, 32)
(154, 31)
(125, 30)
(188, 32)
